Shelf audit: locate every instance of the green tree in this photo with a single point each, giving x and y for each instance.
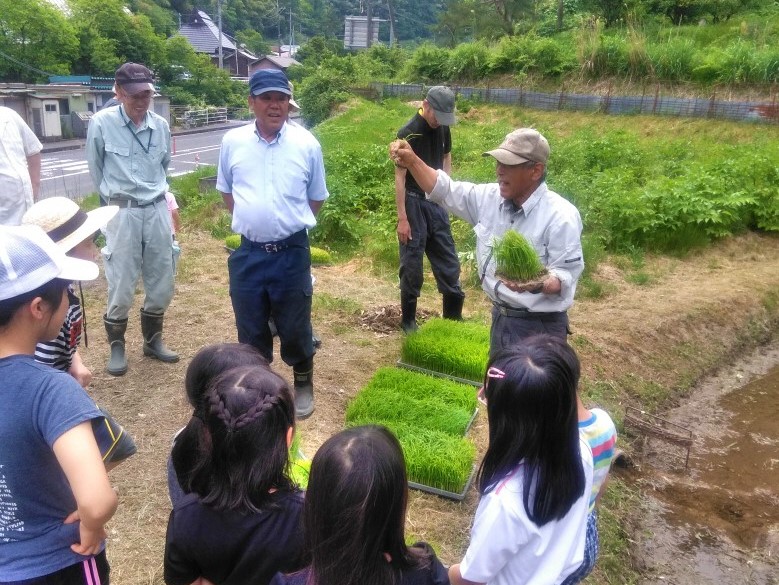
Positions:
(34, 36)
(254, 41)
(159, 13)
(610, 10)
(106, 30)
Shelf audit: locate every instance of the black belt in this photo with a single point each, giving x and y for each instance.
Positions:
(525, 314)
(298, 238)
(416, 195)
(127, 203)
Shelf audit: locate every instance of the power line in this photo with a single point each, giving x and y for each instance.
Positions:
(25, 65)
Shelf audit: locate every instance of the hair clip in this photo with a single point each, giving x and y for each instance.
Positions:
(494, 372)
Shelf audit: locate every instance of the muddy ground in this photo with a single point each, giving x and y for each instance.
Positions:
(692, 317)
(717, 520)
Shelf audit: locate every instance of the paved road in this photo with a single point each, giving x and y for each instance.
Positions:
(65, 173)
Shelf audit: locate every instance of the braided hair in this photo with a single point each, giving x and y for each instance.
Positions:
(247, 414)
(193, 442)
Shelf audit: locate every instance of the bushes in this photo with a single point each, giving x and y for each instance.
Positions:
(532, 55)
(468, 62)
(428, 63)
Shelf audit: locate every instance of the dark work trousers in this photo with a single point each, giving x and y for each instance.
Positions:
(273, 279)
(508, 331)
(431, 235)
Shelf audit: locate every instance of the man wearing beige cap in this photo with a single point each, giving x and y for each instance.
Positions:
(520, 200)
(423, 226)
(128, 152)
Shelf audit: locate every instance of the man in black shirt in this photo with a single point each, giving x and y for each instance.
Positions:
(423, 226)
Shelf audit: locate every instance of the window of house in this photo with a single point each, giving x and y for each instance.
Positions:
(50, 107)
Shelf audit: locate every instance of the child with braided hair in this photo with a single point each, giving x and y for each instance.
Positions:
(241, 523)
(208, 363)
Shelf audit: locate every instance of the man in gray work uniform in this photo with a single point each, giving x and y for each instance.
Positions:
(128, 151)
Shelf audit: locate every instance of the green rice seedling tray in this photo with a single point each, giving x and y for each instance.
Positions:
(413, 368)
(419, 400)
(435, 460)
(456, 348)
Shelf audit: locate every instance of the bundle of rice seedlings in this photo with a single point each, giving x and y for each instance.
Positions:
(454, 348)
(516, 259)
(320, 256)
(233, 241)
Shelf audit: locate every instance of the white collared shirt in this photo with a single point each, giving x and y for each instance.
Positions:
(271, 182)
(17, 142)
(549, 222)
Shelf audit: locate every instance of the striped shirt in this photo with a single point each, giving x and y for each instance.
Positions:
(58, 353)
(601, 436)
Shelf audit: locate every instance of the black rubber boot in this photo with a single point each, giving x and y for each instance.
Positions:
(304, 388)
(153, 346)
(453, 307)
(115, 328)
(408, 310)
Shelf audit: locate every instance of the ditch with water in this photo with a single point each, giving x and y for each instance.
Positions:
(716, 521)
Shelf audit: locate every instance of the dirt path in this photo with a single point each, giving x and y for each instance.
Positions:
(695, 314)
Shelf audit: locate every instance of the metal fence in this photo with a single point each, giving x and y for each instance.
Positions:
(648, 103)
(187, 117)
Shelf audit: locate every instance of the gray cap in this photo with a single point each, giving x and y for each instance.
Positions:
(521, 146)
(441, 99)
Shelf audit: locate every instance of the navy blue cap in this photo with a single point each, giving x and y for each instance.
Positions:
(265, 80)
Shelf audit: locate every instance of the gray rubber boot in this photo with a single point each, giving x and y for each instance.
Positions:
(408, 310)
(153, 346)
(453, 307)
(304, 389)
(115, 328)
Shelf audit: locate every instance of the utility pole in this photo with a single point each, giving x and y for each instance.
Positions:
(391, 23)
(219, 21)
(369, 40)
(291, 33)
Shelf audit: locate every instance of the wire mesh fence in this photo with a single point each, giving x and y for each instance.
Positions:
(652, 102)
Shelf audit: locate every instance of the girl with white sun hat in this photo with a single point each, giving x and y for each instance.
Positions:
(56, 493)
(73, 230)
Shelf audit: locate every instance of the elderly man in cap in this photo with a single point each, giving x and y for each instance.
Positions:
(423, 226)
(272, 179)
(128, 151)
(520, 200)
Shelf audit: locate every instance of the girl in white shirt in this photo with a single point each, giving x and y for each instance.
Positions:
(536, 476)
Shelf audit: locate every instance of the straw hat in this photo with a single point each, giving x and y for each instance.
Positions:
(65, 222)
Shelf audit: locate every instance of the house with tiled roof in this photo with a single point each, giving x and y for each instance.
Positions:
(203, 34)
(272, 62)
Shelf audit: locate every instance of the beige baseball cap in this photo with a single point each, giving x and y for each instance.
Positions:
(521, 146)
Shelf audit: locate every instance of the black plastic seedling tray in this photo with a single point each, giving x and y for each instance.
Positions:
(443, 493)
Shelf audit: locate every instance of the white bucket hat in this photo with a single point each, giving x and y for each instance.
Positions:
(65, 222)
(29, 259)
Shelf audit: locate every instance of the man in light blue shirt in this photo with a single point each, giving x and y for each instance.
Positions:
(521, 201)
(272, 179)
(128, 152)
